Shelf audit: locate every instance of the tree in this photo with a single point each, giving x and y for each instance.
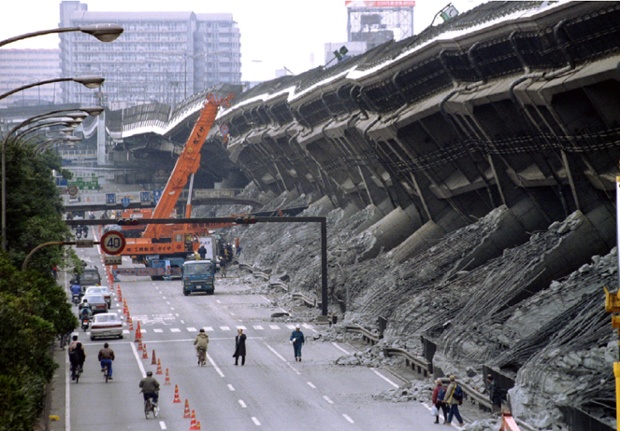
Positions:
(34, 208)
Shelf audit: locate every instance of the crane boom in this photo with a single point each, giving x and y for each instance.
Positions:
(186, 165)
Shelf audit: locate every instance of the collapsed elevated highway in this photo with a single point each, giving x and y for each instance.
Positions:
(464, 170)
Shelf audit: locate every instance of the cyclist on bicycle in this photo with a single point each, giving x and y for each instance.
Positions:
(150, 387)
(77, 356)
(106, 356)
(202, 344)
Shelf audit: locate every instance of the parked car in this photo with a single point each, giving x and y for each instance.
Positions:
(97, 303)
(106, 325)
(101, 290)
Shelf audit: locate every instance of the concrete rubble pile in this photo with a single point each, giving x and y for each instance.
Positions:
(517, 313)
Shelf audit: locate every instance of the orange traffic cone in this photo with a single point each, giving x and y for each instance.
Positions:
(130, 320)
(140, 346)
(138, 336)
(193, 421)
(186, 413)
(125, 308)
(195, 427)
(176, 394)
(145, 354)
(154, 358)
(159, 370)
(167, 381)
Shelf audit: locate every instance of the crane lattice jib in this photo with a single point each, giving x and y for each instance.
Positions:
(187, 164)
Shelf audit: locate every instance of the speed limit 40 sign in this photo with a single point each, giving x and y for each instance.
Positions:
(112, 242)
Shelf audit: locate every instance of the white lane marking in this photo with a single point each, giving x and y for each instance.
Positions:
(241, 327)
(256, 422)
(125, 331)
(348, 418)
(311, 385)
(225, 328)
(218, 301)
(274, 327)
(242, 404)
(158, 330)
(175, 330)
(258, 327)
(172, 308)
(291, 326)
(340, 348)
(191, 329)
(384, 378)
(177, 314)
(162, 425)
(231, 387)
(217, 369)
(163, 297)
(310, 327)
(208, 328)
(138, 359)
(282, 358)
(326, 398)
(168, 302)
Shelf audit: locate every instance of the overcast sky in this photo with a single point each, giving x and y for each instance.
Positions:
(274, 33)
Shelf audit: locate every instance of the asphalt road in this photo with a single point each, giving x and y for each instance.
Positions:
(271, 391)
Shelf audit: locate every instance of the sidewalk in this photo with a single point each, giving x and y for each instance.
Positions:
(53, 416)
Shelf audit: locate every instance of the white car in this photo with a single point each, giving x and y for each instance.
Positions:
(99, 290)
(106, 325)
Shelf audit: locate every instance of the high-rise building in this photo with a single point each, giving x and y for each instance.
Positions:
(22, 67)
(378, 21)
(161, 56)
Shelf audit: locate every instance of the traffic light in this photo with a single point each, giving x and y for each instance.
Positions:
(612, 305)
(127, 222)
(245, 220)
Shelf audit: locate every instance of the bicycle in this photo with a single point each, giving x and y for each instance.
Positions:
(76, 370)
(106, 373)
(202, 356)
(150, 408)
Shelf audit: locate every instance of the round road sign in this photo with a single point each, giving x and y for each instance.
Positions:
(73, 191)
(112, 242)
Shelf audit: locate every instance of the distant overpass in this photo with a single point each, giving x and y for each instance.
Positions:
(101, 201)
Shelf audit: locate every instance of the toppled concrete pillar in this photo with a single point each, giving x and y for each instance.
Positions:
(387, 233)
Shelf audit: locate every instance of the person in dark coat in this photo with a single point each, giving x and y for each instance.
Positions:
(202, 251)
(239, 347)
(438, 396)
(494, 395)
(297, 338)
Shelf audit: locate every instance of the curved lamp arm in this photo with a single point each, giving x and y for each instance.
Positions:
(103, 32)
(87, 81)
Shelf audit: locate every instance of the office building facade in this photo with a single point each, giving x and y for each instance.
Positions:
(22, 67)
(161, 56)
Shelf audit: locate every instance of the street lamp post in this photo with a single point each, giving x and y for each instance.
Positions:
(87, 81)
(88, 110)
(103, 32)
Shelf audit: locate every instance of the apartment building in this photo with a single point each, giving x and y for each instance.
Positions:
(22, 67)
(161, 56)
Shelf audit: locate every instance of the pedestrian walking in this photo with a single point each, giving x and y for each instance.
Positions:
(239, 347)
(202, 251)
(494, 395)
(439, 393)
(454, 398)
(297, 338)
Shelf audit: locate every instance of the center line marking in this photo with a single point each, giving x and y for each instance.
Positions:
(326, 398)
(311, 385)
(242, 404)
(348, 418)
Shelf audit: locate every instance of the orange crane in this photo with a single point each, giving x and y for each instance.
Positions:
(176, 240)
